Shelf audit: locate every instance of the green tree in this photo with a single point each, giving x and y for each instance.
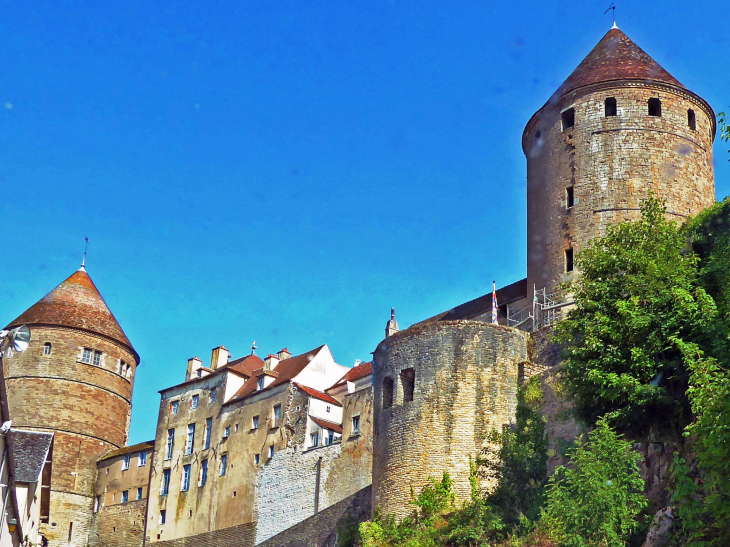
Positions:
(724, 128)
(596, 501)
(637, 299)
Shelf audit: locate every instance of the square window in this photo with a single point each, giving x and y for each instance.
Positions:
(125, 496)
(227, 432)
(170, 444)
(194, 402)
(97, 358)
(165, 486)
(655, 107)
(185, 486)
(610, 108)
(203, 473)
(568, 118)
(125, 461)
(190, 441)
(86, 356)
(174, 405)
(47, 348)
(206, 435)
(255, 422)
(142, 458)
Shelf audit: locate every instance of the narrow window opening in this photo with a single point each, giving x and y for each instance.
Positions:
(569, 197)
(537, 134)
(163, 514)
(408, 380)
(70, 530)
(569, 260)
(691, 121)
(185, 486)
(387, 393)
(356, 425)
(190, 441)
(568, 118)
(47, 346)
(655, 107)
(610, 107)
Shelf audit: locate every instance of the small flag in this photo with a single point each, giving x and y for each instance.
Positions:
(495, 319)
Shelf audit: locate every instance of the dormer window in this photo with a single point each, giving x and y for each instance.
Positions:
(260, 384)
(47, 348)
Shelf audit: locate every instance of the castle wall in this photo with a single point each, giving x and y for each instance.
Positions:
(466, 375)
(88, 406)
(119, 525)
(612, 163)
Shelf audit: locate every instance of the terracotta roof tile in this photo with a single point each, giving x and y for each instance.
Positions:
(615, 57)
(128, 449)
(287, 369)
(75, 303)
(355, 373)
(318, 394)
(337, 428)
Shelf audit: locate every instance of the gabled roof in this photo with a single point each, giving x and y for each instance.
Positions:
(243, 366)
(75, 303)
(318, 394)
(324, 424)
(30, 451)
(129, 449)
(246, 365)
(615, 57)
(355, 373)
(287, 370)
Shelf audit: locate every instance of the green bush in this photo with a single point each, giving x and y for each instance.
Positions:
(596, 501)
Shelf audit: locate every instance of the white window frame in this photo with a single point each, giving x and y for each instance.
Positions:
(203, 479)
(165, 484)
(194, 402)
(224, 464)
(142, 458)
(174, 406)
(86, 356)
(207, 433)
(185, 482)
(126, 460)
(356, 430)
(190, 440)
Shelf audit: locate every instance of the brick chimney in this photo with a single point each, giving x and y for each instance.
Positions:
(194, 365)
(283, 354)
(219, 357)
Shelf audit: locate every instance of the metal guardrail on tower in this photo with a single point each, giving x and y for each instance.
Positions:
(546, 310)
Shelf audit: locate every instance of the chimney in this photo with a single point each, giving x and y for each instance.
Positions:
(392, 326)
(270, 362)
(194, 366)
(219, 357)
(283, 354)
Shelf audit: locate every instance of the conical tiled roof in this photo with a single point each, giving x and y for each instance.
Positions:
(75, 303)
(615, 57)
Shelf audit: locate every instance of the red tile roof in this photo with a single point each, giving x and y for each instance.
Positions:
(615, 57)
(337, 428)
(287, 370)
(318, 394)
(243, 366)
(355, 373)
(75, 303)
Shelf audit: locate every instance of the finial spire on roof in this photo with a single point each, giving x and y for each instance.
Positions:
(253, 348)
(391, 326)
(83, 261)
(612, 7)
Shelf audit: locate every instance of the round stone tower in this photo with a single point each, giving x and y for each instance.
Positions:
(74, 380)
(618, 128)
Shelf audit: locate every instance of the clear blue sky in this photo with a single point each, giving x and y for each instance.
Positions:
(288, 171)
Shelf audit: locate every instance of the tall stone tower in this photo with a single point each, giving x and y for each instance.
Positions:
(76, 380)
(617, 129)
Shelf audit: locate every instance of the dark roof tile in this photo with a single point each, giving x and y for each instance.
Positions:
(30, 449)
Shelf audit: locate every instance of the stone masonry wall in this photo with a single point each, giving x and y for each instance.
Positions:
(87, 406)
(612, 163)
(466, 375)
(120, 525)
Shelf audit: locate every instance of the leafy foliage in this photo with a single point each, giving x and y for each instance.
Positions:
(598, 500)
(637, 299)
(724, 128)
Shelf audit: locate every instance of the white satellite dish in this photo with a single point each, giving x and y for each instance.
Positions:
(15, 340)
